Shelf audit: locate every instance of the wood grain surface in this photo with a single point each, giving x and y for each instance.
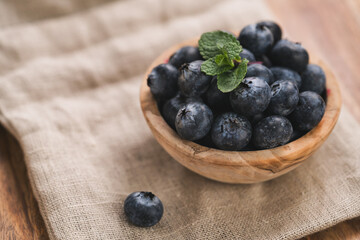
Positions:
(330, 28)
(19, 214)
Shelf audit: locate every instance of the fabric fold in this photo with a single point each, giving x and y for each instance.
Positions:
(72, 102)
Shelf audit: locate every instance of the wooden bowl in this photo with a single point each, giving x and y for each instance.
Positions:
(240, 166)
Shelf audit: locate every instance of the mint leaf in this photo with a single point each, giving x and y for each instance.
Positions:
(220, 60)
(238, 58)
(212, 68)
(232, 50)
(221, 51)
(228, 81)
(211, 43)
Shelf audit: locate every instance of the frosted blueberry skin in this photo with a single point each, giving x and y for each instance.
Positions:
(163, 81)
(248, 55)
(313, 79)
(260, 71)
(216, 99)
(193, 82)
(173, 105)
(256, 38)
(185, 54)
(193, 121)
(274, 29)
(231, 131)
(251, 97)
(281, 73)
(271, 132)
(308, 112)
(290, 55)
(284, 97)
(143, 209)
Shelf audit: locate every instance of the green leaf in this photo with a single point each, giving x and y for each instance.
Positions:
(237, 58)
(228, 81)
(211, 43)
(210, 67)
(220, 60)
(232, 50)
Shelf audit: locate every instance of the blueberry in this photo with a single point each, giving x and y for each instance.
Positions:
(284, 97)
(260, 71)
(296, 135)
(173, 105)
(257, 38)
(309, 111)
(231, 131)
(215, 98)
(272, 132)
(193, 82)
(185, 54)
(206, 141)
(281, 73)
(264, 60)
(313, 79)
(143, 209)
(251, 97)
(290, 55)
(257, 118)
(248, 55)
(274, 29)
(163, 81)
(193, 121)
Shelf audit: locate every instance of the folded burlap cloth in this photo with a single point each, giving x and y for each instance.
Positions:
(69, 93)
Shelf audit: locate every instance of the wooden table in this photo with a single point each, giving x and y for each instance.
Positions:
(330, 28)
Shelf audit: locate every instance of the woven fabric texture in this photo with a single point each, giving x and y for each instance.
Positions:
(70, 73)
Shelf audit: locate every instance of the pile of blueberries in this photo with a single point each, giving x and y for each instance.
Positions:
(279, 100)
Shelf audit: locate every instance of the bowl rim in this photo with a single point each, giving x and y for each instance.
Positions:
(279, 158)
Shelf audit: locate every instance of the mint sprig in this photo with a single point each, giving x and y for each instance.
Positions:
(221, 51)
(230, 80)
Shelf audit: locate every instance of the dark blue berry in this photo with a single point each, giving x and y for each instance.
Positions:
(173, 105)
(290, 55)
(248, 55)
(296, 134)
(258, 117)
(256, 38)
(274, 28)
(193, 82)
(193, 121)
(309, 111)
(215, 98)
(272, 132)
(143, 209)
(264, 60)
(185, 54)
(231, 131)
(251, 97)
(163, 81)
(313, 79)
(284, 97)
(260, 71)
(281, 73)
(206, 141)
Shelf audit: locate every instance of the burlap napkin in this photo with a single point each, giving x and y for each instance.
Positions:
(69, 92)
